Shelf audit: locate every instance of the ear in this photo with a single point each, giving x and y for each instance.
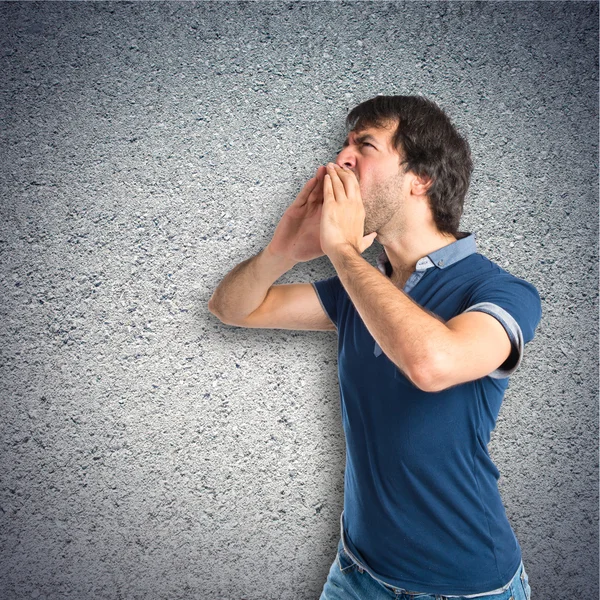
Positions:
(420, 185)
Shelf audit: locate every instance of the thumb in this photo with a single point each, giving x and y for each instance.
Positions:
(368, 240)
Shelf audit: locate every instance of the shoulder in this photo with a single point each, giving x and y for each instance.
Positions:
(492, 275)
(497, 290)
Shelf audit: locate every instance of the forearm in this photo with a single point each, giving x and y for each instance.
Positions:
(245, 287)
(410, 336)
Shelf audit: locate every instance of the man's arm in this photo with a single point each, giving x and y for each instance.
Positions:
(247, 298)
(245, 287)
(434, 355)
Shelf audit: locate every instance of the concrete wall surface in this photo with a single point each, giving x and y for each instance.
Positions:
(151, 451)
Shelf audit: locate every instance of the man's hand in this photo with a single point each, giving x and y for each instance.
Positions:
(297, 237)
(343, 216)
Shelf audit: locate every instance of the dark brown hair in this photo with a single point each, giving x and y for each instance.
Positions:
(429, 145)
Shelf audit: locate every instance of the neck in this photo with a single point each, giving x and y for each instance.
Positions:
(406, 250)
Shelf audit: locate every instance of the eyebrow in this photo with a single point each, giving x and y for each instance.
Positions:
(362, 138)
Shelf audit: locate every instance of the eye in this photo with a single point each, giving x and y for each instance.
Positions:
(361, 144)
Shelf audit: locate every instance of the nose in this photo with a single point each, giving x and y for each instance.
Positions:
(346, 158)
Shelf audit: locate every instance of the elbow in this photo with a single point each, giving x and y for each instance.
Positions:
(429, 373)
(212, 307)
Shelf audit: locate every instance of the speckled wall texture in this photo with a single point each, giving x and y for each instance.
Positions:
(150, 451)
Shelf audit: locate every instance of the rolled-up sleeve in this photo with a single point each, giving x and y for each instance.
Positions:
(328, 292)
(516, 304)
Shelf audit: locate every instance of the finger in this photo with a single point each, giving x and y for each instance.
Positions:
(316, 196)
(338, 186)
(348, 179)
(305, 192)
(308, 186)
(328, 193)
(367, 241)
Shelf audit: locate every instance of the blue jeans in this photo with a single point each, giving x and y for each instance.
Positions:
(346, 580)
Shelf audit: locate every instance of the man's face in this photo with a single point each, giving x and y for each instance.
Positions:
(376, 164)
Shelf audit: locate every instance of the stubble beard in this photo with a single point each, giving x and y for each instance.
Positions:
(382, 203)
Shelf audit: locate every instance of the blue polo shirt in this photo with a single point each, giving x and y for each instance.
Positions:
(422, 510)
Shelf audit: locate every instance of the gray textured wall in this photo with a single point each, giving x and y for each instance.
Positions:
(148, 450)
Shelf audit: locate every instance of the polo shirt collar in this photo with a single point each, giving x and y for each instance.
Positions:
(442, 258)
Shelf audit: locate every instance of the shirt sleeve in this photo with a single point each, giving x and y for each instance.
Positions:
(328, 292)
(516, 304)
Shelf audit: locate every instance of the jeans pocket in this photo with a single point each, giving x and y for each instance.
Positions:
(525, 584)
(345, 563)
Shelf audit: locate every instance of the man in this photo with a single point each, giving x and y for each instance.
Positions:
(426, 342)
